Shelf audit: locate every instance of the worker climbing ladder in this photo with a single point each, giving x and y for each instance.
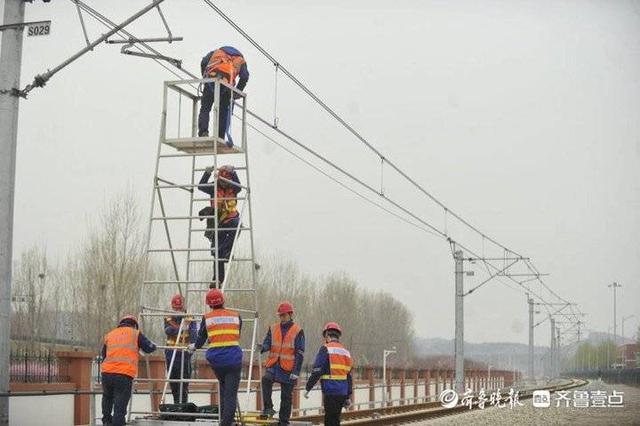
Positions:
(179, 257)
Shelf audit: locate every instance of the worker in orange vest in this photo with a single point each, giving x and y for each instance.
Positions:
(220, 329)
(285, 343)
(120, 367)
(229, 64)
(332, 367)
(180, 330)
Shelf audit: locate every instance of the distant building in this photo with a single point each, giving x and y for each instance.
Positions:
(628, 355)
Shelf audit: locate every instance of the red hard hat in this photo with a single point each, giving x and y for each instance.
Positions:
(177, 302)
(332, 326)
(285, 308)
(215, 297)
(131, 318)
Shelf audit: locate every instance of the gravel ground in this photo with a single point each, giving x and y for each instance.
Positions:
(529, 415)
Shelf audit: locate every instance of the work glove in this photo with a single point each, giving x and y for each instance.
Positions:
(306, 394)
(347, 403)
(293, 377)
(191, 348)
(209, 169)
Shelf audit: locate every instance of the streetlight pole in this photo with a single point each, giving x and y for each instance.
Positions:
(385, 354)
(615, 286)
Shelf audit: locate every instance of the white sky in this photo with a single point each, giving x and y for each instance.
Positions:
(521, 116)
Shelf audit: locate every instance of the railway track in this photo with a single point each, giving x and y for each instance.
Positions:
(411, 413)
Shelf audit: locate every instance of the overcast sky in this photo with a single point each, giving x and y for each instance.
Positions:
(523, 117)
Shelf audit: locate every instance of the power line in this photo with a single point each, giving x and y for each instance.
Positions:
(427, 226)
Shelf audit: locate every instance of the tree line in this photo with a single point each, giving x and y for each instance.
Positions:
(75, 299)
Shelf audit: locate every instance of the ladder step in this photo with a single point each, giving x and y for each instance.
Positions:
(222, 259)
(163, 218)
(244, 228)
(226, 290)
(193, 314)
(179, 250)
(200, 200)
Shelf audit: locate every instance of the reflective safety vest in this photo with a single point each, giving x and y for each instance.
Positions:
(283, 349)
(223, 328)
(122, 351)
(340, 362)
(185, 335)
(227, 208)
(228, 66)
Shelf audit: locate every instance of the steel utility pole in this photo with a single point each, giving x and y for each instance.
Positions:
(530, 369)
(459, 341)
(615, 286)
(558, 346)
(10, 62)
(552, 348)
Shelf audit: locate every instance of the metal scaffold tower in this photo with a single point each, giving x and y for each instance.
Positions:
(184, 253)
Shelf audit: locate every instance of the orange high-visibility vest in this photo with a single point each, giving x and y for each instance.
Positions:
(283, 349)
(122, 351)
(227, 208)
(221, 63)
(185, 335)
(223, 328)
(340, 362)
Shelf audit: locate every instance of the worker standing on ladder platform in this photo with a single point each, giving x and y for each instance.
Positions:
(332, 366)
(285, 343)
(227, 63)
(220, 328)
(228, 187)
(181, 359)
(120, 367)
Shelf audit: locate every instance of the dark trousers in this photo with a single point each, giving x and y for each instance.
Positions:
(206, 103)
(333, 408)
(229, 378)
(178, 397)
(116, 392)
(286, 397)
(226, 238)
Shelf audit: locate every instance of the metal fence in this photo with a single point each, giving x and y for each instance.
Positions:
(627, 376)
(37, 367)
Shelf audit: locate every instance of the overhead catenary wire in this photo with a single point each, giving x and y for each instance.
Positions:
(361, 138)
(346, 125)
(427, 226)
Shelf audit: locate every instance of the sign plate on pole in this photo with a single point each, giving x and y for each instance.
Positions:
(39, 29)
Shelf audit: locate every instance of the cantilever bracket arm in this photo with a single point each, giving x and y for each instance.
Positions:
(498, 273)
(125, 50)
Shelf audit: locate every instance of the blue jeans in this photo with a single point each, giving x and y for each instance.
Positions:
(229, 378)
(116, 392)
(206, 103)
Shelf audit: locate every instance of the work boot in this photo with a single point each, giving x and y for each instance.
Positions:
(267, 413)
(203, 134)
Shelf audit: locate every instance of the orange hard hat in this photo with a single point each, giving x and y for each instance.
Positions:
(215, 297)
(331, 326)
(285, 308)
(177, 302)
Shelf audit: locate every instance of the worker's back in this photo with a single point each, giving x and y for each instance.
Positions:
(121, 351)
